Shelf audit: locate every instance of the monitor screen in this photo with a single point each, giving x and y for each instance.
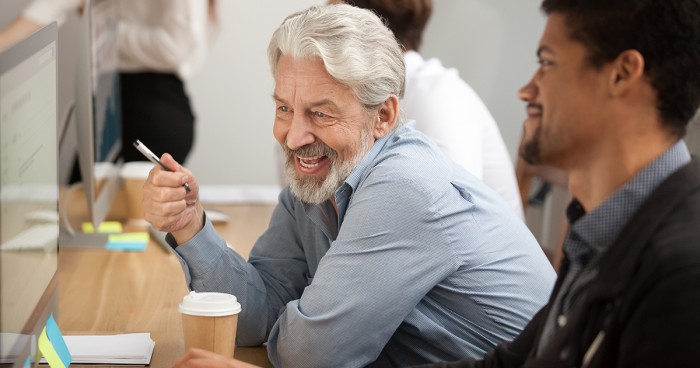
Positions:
(28, 192)
(98, 106)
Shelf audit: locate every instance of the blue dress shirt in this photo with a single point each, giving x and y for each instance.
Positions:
(423, 262)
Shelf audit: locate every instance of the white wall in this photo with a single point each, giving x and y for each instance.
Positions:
(232, 96)
(491, 42)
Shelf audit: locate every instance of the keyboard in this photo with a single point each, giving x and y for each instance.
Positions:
(38, 237)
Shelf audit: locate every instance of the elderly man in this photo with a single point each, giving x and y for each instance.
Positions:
(381, 250)
(617, 84)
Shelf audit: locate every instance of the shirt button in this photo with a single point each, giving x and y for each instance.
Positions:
(561, 320)
(564, 353)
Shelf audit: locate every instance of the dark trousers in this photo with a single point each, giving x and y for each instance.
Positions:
(156, 111)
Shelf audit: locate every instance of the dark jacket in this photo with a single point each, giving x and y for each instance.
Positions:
(643, 307)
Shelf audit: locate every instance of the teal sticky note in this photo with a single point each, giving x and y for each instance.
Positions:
(135, 241)
(28, 363)
(56, 339)
(126, 246)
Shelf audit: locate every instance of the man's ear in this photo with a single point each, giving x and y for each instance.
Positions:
(627, 69)
(388, 115)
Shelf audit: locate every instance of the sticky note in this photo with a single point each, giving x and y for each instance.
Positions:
(134, 241)
(52, 346)
(107, 227)
(28, 363)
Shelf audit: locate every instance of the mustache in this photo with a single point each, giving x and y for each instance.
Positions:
(309, 150)
(533, 105)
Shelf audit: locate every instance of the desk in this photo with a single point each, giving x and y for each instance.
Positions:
(108, 292)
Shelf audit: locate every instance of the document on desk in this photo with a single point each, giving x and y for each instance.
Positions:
(122, 349)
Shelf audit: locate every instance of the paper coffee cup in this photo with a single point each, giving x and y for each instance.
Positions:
(134, 175)
(209, 321)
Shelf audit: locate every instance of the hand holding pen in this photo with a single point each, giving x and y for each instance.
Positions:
(153, 158)
(166, 209)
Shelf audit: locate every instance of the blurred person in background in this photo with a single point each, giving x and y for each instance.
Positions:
(162, 43)
(444, 106)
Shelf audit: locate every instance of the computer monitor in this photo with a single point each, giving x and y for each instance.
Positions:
(28, 194)
(98, 106)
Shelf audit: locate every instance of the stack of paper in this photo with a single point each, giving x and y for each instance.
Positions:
(124, 349)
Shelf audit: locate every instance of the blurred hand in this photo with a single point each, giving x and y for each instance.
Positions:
(168, 206)
(196, 358)
(16, 31)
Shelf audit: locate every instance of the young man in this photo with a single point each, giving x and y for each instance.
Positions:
(617, 84)
(381, 251)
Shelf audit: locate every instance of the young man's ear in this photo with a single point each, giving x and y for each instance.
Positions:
(387, 117)
(627, 69)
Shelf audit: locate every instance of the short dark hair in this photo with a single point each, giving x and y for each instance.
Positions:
(665, 32)
(406, 18)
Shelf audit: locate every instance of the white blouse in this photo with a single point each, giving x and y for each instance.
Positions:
(154, 35)
(452, 115)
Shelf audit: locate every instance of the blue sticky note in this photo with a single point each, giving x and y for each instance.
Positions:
(28, 363)
(56, 339)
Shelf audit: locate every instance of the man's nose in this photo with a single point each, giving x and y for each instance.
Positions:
(300, 132)
(528, 92)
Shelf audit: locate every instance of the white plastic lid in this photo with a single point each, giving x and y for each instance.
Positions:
(209, 304)
(136, 169)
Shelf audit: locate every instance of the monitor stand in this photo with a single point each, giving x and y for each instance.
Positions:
(81, 240)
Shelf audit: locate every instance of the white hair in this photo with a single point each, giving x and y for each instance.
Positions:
(356, 47)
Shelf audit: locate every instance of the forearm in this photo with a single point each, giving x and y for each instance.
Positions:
(16, 31)
(364, 288)
(210, 265)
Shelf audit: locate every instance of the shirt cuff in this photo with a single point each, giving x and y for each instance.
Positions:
(200, 254)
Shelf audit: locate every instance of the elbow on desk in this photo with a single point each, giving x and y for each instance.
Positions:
(309, 351)
(303, 355)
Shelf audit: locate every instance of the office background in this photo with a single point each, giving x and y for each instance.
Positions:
(491, 42)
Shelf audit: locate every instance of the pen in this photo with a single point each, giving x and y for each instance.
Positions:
(153, 158)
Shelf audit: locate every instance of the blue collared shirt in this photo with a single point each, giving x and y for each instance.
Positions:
(422, 263)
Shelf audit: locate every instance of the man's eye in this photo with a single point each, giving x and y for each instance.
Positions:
(319, 114)
(284, 108)
(544, 62)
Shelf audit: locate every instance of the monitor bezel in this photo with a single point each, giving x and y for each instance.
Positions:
(48, 302)
(99, 202)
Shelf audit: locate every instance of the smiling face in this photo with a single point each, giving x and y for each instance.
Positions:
(323, 129)
(566, 101)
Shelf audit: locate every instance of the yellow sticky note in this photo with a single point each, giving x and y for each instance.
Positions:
(107, 227)
(134, 237)
(46, 349)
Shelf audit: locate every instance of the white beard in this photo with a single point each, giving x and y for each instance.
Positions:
(315, 191)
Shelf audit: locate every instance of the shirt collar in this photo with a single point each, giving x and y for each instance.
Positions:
(599, 228)
(344, 193)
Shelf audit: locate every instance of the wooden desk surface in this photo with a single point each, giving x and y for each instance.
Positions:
(107, 292)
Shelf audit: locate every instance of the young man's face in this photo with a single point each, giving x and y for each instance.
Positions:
(564, 101)
(323, 129)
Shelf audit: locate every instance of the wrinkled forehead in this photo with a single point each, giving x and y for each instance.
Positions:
(307, 80)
